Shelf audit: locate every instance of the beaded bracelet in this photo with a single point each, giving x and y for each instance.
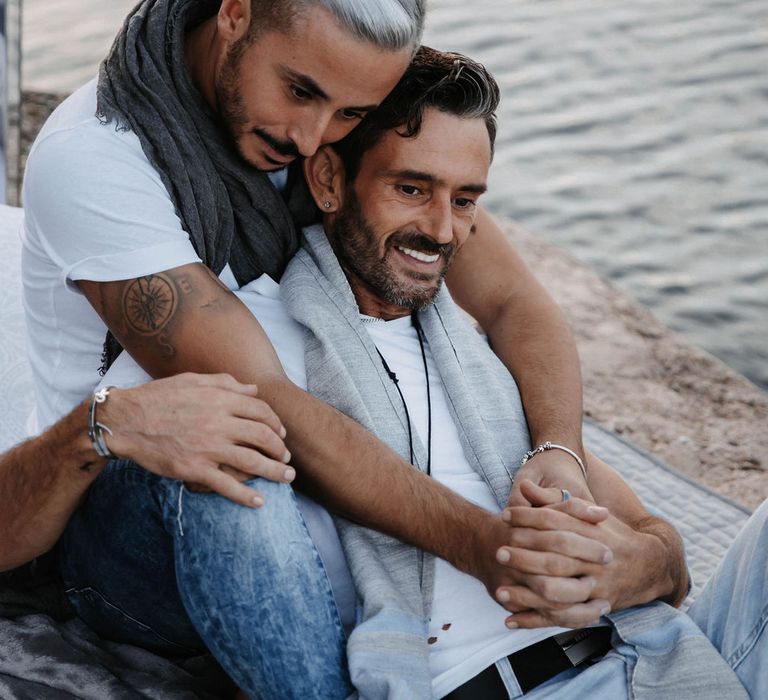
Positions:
(96, 430)
(552, 446)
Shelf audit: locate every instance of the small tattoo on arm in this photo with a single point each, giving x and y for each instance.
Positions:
(185, 285)
(149, 303)
(166, 348)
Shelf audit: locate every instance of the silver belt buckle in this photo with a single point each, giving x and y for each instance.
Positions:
(580, 645)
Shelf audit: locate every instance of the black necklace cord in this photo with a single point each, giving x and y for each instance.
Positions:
(396, 382)
(420, 334)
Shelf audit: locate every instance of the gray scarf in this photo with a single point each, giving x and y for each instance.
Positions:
(232, 212)
(388, 652)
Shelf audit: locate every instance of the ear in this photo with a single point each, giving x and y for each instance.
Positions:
(325, 177)
(234, 19)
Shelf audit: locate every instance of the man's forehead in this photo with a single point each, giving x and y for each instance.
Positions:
(446, 146)
(326, 59)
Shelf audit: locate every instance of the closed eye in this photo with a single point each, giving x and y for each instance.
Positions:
(300, 93)
(351, 114)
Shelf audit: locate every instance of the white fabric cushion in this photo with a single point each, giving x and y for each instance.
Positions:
(16, 398)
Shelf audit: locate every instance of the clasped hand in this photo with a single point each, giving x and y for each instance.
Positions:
(567, 563)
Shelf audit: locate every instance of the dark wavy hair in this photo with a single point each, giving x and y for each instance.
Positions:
(449, 82)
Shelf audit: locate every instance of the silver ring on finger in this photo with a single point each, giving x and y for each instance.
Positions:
(566, 495)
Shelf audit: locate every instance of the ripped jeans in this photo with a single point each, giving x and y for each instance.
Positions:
(147, 562)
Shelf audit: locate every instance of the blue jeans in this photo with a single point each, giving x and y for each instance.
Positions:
(732, 611)
(148, 562)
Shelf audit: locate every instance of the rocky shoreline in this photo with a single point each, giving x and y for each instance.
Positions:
(641, 379)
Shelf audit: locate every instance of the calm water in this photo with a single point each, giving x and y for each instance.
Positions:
(633, 134)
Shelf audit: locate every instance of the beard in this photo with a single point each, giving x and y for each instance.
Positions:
(229, 96)
(233, 113)
(356, 245)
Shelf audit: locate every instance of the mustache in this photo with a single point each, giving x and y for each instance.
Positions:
(284, 148)
(420, 242)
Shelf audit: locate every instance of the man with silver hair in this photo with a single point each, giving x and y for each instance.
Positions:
(155, 192)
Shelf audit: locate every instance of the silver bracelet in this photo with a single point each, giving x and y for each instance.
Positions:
(551, 446)
(96, 430)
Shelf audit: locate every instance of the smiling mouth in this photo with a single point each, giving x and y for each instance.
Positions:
(418, 255)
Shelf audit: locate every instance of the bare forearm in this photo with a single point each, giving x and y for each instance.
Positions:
(526, 329)
(357, 476)
(534, 342)
(41, 484)
(667, 573)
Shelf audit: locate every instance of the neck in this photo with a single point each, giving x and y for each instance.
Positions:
(370, 303)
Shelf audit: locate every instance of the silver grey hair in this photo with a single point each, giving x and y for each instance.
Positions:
(389, 24)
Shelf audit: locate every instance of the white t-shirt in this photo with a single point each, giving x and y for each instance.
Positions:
(466, 628)
(476, 635)
(95, 209)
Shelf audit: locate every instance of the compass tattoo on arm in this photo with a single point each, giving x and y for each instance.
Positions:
(149, 303)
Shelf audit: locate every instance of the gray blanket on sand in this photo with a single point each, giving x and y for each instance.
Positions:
(45, 654)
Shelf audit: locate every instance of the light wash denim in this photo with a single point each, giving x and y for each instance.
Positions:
(732, 610)
(148, 562)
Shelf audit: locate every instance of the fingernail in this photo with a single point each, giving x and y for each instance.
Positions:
(503, 556)
(287, 456)
(596, 510)
(511, 624)
(290, 474)
(592, 582)
(608, 557)
(506, 516)
(502, 596)
(258, 501)
(605, 610)
(283, 431)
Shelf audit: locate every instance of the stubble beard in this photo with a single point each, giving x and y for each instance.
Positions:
(229, 99)
(357, 247)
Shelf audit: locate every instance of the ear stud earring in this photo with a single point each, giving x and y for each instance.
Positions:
(327, 204)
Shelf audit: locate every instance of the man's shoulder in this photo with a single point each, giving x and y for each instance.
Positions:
(77, 159)
(75, 133)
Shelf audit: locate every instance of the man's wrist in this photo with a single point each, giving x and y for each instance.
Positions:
(659, 573)
(69, 439)
(479, 554)
(671, 572)
(112, 413)
(547, 446)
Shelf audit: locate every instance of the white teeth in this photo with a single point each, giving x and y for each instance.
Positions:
(423, 257)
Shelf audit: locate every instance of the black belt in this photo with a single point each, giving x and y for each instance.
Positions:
(538, 663)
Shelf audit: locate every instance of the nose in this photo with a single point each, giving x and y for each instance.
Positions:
(438, 222)
(310, 133)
